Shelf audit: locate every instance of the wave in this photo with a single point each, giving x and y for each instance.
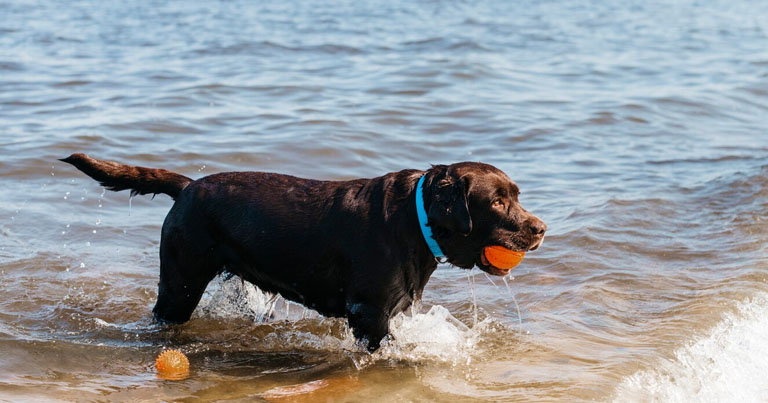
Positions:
(727, 364)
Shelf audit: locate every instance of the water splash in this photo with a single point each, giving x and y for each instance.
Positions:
(435, 335)
(471, 280)
(511, 294)
(230, 297)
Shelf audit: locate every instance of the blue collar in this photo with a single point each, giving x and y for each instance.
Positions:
(425, 230)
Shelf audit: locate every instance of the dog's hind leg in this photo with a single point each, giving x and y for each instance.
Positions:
(185, 271)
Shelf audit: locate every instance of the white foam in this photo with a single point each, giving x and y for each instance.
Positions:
(228, 298)
(104, 323)
(729, 364)
(432, 335)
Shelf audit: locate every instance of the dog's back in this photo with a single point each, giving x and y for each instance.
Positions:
(302, 238)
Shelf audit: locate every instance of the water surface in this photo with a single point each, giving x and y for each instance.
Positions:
(636, 130)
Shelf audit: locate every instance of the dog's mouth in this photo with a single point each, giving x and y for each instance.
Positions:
(483, 264)
(487, 267)
(536, 244)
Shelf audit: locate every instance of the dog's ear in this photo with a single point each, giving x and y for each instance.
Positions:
(449, 209)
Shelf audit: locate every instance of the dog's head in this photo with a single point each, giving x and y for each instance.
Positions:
(472, 205)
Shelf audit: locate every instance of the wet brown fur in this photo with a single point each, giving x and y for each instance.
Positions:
(349, 249)
(115, 176)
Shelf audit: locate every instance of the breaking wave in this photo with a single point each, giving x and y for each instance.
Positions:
(730, 363)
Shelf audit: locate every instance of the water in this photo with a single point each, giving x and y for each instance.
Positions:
(636, 130)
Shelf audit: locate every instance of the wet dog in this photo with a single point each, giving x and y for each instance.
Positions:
(358, 249)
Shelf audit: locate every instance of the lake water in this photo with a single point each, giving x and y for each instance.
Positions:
(637, 130)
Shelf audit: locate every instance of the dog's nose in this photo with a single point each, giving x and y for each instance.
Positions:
(537, 226)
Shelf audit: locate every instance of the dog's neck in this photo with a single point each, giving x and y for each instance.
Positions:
(421, 214)
(424, 262)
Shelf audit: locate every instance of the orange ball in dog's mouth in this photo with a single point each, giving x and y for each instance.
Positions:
(502, 258)
(172, 365)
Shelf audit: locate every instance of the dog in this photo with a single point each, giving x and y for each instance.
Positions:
(361, 249)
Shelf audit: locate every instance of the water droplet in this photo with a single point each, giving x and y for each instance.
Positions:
(94, 231)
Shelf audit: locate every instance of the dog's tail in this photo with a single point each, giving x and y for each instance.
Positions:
(115, 176)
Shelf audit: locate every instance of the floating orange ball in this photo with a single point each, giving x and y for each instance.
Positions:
(172, 365)
(502, 257)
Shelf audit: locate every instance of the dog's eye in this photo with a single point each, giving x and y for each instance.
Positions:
(497, 203)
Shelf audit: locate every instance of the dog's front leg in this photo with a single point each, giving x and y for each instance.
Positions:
(368, 322)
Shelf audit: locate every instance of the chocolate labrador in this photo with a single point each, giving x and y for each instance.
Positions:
(362, 249)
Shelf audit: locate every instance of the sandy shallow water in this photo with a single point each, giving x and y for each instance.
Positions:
(637, 131)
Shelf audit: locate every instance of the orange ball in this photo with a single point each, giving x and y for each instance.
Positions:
(502, 257)
(172, 365)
